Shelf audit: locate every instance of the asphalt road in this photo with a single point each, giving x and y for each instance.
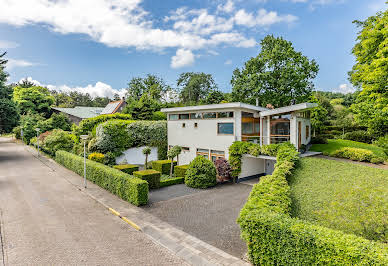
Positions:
(45, 220)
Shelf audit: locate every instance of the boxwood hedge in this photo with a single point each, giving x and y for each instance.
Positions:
(275, 238)
(180, 170)
(129, 188)
(162, 166)
(172, 181)
(151, 176)
(127, 168)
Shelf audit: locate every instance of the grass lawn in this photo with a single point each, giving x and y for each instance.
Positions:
(340, 195)
(336, 144)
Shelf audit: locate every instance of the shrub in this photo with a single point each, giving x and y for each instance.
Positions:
(383, 143)
(359, 135)
(162, 166)
(127, 168)
(180, 170)
(318, 140)
(201, 173)
(223, 169)
(151, 176)
(131, 189)
(97, 157)
(112, 136)
(357, 154)
(172, 181)
(110, 158)
(158, 115)
(58, 140)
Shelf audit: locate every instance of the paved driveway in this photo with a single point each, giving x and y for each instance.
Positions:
(45, 220)
(209, 215)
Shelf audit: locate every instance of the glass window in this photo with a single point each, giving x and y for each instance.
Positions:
(185, 149)
(184, 116)
(209, 115)
(218, 152)
(173, 117)
(225, 114)
(195, 116)
(247, 128)
(257, 127)
(245, 114)
(203, 150)
(226, 128)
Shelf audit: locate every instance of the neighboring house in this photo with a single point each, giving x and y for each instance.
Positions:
(78, 113)
(114, 107)
(209, 130)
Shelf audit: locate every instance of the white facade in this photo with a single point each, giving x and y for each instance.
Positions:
(204, 130)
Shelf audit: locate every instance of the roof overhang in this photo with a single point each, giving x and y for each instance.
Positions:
(196, 108)
(288, 109)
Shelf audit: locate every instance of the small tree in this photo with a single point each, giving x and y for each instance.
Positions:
(171, 154)
(146, 152)
(178, 150)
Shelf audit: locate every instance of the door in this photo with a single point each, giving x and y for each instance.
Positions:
(269, 166)
(299, 134)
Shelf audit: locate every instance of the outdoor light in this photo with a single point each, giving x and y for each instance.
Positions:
(84, 138)
(37, 137)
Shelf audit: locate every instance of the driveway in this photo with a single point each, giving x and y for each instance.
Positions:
(45, 220)
(209, 214)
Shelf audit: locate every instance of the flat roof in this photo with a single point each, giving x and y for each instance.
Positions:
(287, 109)
(214, 107)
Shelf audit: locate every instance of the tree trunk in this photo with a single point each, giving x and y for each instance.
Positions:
(146, 162)
(177, 160)
(314, 131)
(172, 165)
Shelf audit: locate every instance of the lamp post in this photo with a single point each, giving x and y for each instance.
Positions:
(84, 138)
(21, 134)
(37, 137)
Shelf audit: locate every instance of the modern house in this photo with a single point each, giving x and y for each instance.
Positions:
(209, 130)
(78, 113)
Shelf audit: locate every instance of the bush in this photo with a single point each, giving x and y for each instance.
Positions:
(180, 170)
(127, 168)
(359, 135)
(131, 189)
(383, 143)
(151, 176)
(224, 170)
(318, 140)
(172, 181)
(162, 166)
(201, 173)
(357, 154)
(158, 115)
(58, 140)
(56, 121)
(97, 157)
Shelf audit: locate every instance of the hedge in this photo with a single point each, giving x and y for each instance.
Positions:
(97, 157)
(180, 170)
(275, 238)
(127, 168)
(131, 189)
(163, 166)
(201, 173)
(151, 176)
(357, 154)
(172, 181)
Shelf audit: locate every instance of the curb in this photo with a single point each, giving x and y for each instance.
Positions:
(125, 219)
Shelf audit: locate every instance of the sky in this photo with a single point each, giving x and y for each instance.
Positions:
(97, 46)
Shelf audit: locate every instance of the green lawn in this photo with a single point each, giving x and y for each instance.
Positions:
(340, 195)
(336, 144)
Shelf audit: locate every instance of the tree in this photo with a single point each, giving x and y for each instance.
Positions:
(142, 109)
(146, 152)
(171, 154)
(34, 99)
(214, 97)
(342, 117)
(59, 121)
(25, 83)
(9, 114)
(370, 74)
(152, 85)
(194, 87)
(278, 75)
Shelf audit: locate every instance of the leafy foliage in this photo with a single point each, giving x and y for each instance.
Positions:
(131, 189)
(58, 140)
(151, 176)
(180, 170)
(359, 135)
(172, 181)
(127, 168)
(9, 115)
(201, 173)
(151, 85)
(194, 87)
(28, 123)
(382, 142)
(224, 170)
(162, 166)
(97, 157)
(357, 154)
(34, 99)
(276, 76)
(142, 109)
(56, 121)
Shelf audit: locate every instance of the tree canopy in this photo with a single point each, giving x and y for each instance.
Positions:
(33, 99)
(152, 85)
(370, 73)
(278, 75)
(194, 87)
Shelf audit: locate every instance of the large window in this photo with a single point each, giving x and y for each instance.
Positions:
(173, 117)
(214, 155)
(209, 115)
(225, 128)
(184, 116)
(203, 152)
(225, 114)
(280, 128)
(196, 116)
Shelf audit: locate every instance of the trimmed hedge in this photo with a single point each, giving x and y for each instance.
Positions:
(163, 166)
(131, 189)
(360, 136)
(172, 181)
(180, 170)
(151, 176)
(97, 157)
(127, 168)
(201, 173)
(357, 154)
(275, 238)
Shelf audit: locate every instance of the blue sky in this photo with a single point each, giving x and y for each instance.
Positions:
(97, 46)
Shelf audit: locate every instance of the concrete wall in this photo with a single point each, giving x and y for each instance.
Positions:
(251, 166)
(136, 156)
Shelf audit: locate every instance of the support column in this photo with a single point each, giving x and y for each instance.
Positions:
(269, 129)
(261, 131)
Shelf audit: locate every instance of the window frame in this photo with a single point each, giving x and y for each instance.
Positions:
(225, 134)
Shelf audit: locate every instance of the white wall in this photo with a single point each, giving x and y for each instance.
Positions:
(251, 166)
(136, 156)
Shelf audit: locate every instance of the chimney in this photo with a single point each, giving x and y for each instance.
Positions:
(269, 106)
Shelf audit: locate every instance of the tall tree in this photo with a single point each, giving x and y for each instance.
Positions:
(194, 87)
(152, 85)
(9, 114)
(370, 73)
(34, 99)
(278, 75)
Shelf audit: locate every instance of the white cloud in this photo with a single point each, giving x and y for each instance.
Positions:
(8, 44)
(345, 88)
(228, 62)
(228, 7)
(182, 58)
(100, 89)
(12, 63)
(262, 18)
